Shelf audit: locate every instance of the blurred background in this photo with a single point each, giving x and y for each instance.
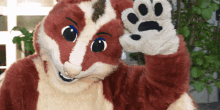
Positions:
(22, 13)
(22, 16)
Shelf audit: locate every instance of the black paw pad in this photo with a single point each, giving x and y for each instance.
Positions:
(149, 25)
(135, 37)
(158, 9)
(132, 18)
(143, 9)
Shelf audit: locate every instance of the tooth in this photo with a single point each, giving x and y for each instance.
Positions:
(65, 76)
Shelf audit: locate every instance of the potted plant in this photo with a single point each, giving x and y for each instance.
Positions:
(27, 38)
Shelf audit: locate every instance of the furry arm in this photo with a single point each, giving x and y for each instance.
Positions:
(154, 86)
(19, 88)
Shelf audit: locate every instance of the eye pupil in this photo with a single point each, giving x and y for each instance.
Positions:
(69, 34)
(98, 45)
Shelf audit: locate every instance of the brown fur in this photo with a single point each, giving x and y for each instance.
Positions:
(45, 66)
(111, 55)
(152, 87)
(55, 22)
(19, 89)
(121, 5)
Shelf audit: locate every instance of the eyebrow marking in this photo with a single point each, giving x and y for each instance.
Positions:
(104, 33)
(72, 21)
(99, 9)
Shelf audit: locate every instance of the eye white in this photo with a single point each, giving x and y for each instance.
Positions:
(105, 45)
(64, 29)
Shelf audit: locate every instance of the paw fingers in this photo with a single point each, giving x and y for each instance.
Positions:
(130, 19)
(162, 9)
(143, 9)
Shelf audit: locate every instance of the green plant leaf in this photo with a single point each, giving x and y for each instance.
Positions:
(133, 56)
(209, 88)
(205, 79)
(15, 28)
(200, 72)
(197, 10)
(199, 86)
(24, 31)
(213, 6)
(33, 50)
(217, 84)
(178, 32)
(197, 72)
(28, 36)
(182, 24)
(217, 64)
(185, 31)
(207, 13)
(194, 72)
(197, 43)
(199, 61)
(209, 59)
(194, 53)
(17, 40)
(28, 46)
(204, 3)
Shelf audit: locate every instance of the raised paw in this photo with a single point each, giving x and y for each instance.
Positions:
(150, 27)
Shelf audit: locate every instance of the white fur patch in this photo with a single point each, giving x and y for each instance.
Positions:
(152, 42)
(59, 97)
(97, 70)
(2, 76)
(183, 103)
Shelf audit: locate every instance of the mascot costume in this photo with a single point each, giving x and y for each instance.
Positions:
(77, 62)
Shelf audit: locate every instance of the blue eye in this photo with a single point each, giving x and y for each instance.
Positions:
(98, 45)
(73, 28)
(70, 33)
(99, 39)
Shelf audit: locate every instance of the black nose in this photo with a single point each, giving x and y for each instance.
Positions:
(135, 37)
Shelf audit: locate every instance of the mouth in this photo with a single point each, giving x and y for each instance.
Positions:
(66, 79)
(149, 25)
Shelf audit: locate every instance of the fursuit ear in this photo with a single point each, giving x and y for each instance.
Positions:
(72, 1)
(121, 5)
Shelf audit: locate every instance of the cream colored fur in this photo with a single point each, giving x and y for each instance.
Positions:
(152, 42)
(183, 103)
(52, 99)
(2, 76)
